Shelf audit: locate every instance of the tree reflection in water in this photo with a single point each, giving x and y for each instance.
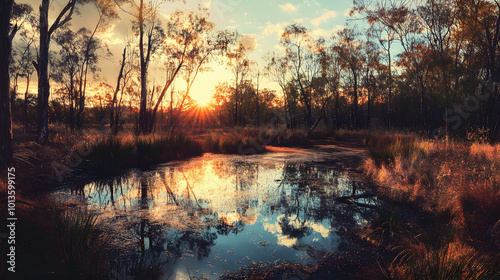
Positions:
(175, 214)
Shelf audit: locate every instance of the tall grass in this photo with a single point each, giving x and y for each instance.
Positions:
(57, 244)
(154, 150)
(426, 180)
(115, 155)
(384, 149)
(285, 138)
(452, 261)
(110, 156)
(233, 143)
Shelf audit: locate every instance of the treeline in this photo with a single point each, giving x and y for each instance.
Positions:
(429, 66)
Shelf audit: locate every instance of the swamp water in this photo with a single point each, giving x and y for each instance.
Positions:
(216, 213)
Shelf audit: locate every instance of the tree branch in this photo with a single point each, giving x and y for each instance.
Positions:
(66, 12)
(13, 32)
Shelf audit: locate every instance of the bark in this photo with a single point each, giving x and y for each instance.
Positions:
(390, 87)
(355, 111)
(495, 73)
(43, 62)
(143, 114)
(113, 114)
(26, 104)
(43, 76)
(5, 110)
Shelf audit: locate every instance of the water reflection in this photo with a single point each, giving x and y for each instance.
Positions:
(216, 213)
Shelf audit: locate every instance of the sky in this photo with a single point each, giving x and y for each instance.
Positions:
(260, 22)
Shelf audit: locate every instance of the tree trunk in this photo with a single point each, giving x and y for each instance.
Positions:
(43, 77)
(71, 104)
(5, 110)
(143, 114)
(355, 112)
(389, 107)
(236, 102)
(113, 114)
(26, 104)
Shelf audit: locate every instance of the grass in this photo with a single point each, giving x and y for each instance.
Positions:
(154, 150)
(384, 149)
(114, 155)
(234, 143)
(441, 215)
(247, 141)
(54, 243)
(285, 138)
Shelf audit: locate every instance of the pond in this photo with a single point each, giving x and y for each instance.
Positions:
(214, 214)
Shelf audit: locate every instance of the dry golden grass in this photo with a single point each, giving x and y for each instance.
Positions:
(443, 179)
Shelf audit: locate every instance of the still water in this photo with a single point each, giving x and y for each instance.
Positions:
(215, 214)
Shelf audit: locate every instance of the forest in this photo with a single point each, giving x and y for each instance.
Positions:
(413, 84)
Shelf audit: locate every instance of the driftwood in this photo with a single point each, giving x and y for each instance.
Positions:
(351, 199)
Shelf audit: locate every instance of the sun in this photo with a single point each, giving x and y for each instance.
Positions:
(202, 99)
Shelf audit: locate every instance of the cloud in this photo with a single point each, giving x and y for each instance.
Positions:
(206, 4)
(320, 32)
(249, 41)
(288, 7)
(324, 17)
(109, 35)
(277, 28)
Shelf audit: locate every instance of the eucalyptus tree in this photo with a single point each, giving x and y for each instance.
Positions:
(278, 71)
(394, 20)
(125, 74)
(239, 63)
(351, 59)
(301, 53)
(7, 33)
(10, 13)
(78, 55)
(64, 16)
(26, 51)
(187, 49)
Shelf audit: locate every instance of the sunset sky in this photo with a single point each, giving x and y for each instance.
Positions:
(260, 22)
